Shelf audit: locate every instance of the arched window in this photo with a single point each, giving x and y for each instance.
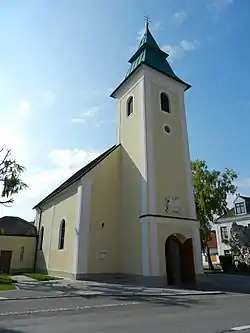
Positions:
(40, 243)
(61, 235)
(130, 106)
(165, 103)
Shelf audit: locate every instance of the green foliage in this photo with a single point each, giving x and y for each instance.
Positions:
(211, 188)
(41, 277)
(5, 279)
(10, 181)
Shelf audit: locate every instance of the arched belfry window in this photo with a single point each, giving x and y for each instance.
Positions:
(130, 106)
(40, 243)
(165, 105)
(61, 235)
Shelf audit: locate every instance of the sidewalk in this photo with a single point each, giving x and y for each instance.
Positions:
(32, 289)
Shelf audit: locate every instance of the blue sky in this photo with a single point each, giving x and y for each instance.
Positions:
(60, 59)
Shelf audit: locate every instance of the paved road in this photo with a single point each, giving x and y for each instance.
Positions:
(206, 314)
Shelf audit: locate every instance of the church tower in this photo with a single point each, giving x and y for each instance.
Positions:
(157, 195)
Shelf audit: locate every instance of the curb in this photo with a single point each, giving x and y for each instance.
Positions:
(35, 297)
(112, 295)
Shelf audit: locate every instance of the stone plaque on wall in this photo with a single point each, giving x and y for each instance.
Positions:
(103, 254)
(172, 205)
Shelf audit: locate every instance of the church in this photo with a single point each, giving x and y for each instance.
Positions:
(131, 211)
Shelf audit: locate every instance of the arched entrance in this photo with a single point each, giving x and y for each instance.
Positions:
(179, 260)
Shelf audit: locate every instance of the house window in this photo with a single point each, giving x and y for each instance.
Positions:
(61, 235)
(21, 253)
(165, 103)
(240, 208)
(130, 106)
(40, 247)
(224, 233)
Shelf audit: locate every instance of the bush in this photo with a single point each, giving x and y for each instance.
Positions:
(5, 279)
(226, 263)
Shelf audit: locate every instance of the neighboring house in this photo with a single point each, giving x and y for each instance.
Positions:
(131, 211)
(213, 248)
(18, 240)
(240, 213)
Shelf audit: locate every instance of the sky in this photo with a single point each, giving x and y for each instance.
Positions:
(60, 59)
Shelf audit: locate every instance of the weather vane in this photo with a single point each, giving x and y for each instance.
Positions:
(147, 20)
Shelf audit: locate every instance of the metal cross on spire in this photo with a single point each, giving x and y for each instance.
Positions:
(147, 20)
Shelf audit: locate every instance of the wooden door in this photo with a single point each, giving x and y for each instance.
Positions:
(5, 261)
(173, 260)
(187, 262)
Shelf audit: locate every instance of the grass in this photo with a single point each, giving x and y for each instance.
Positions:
(41, 277)
(7, 287)
(6, 283)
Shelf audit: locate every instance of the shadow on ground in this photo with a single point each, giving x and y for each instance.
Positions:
(120, 293)
(119, 287)
(7, 330)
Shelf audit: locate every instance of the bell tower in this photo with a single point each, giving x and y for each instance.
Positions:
(152, 118)
(157, 188)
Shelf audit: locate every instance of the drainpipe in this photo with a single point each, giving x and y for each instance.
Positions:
(37, 238)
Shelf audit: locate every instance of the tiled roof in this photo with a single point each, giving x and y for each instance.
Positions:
(229, 213)
(16, 226)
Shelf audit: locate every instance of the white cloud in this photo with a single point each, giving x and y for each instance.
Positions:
(78, 120)
(180, 17)
(11, 137)
(220, 4)
(177, 51)
(90, 113)
(64, 163)
(24, 108)
(243, 182)
(103, 122)
(49, 98)
(153, 27)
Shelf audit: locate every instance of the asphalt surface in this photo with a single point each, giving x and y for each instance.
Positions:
(196, 314)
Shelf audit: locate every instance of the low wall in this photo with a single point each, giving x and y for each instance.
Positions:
(225, 282)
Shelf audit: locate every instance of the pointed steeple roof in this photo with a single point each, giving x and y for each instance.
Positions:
(150, 54)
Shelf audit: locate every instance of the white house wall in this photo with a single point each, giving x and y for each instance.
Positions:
(227, 222)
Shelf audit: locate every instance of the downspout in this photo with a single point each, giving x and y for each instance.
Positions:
(37, 238)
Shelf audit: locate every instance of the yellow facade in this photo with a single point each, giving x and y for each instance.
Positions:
(104, 234)
(169, 157)
(23, 250)
(117, 220)
(50, 258)
(132, 177)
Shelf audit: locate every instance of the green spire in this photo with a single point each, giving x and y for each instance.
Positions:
(150, 54)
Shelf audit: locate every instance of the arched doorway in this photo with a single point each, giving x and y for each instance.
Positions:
(173, 260)
(179, 260)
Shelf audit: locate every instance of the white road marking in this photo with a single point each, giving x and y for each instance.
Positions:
(19, 313)
(240, 328)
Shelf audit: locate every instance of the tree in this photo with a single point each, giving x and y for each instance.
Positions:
(240, 242)
(10, 181)
(211, 188)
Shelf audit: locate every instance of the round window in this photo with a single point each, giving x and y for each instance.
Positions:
(167, 129)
